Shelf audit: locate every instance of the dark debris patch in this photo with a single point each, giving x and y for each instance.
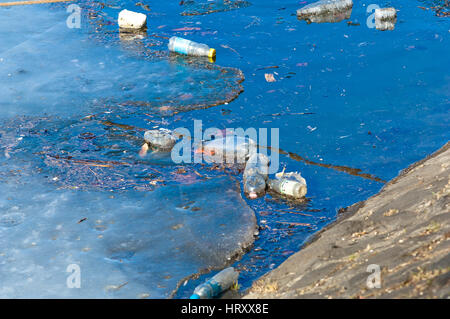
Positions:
(193, 8)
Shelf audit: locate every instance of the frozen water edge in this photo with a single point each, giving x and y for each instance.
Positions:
(81, 76)
(129, 245)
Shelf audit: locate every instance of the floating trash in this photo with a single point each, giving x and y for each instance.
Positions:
(132, 20)
(216, 285)
(194, 7)
(289, 184)
(326, 11)
(162, 139)
(255, 175)
(254, 186)
(86, 79)
(184, 46)
(257, 164)
(228, 150)
(385, 18)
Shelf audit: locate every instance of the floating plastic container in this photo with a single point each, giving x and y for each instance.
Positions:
(257, 163)
(188, 47)
(132, 20)
(254, 186)
(385, 18)
(162, 139)
(326, 11)
(229, 149)
(216, 285)
(255, 175)
(289, 184)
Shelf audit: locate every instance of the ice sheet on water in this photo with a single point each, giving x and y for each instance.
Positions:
(195, 7)
(63, 71)
(90, 153)
(129, 245)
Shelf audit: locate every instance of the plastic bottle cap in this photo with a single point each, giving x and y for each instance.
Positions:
(195, 296)
(212, 53)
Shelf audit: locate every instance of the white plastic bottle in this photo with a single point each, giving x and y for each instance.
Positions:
(289, 184)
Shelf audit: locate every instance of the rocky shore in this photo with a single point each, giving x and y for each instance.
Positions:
(396, 244)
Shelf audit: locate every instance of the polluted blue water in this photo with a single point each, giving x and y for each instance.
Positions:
(354, 106)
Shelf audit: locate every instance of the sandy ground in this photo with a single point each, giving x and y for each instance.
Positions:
(396, 244)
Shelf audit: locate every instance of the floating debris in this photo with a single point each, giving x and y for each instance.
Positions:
(269, 77)
(289, 184)
(195, 8)
(255, 175)
(184, 46)
(216, 285)
(161, 140)
(230, 149)
(385, 18)
(132, 20)
(326, 11)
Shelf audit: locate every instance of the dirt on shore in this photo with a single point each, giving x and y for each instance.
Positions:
(396, 244)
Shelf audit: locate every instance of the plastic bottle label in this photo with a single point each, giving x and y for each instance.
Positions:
(181, 45)
(287, 187)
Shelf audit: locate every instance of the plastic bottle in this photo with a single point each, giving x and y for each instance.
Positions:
(289, 184)
(161, 139)
(229, 149)
(324, 7)
(257, 164)
(254, 186)
(184, 46)
(255, 175)
(216, 285)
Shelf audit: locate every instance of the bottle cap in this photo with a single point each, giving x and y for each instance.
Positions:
(212, 53)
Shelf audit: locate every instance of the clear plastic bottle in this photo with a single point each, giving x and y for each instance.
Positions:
(257, 163)
(229, 149)
(289, 184)
(188, 47)
(161, 139)
(216, 285)
(255, 175)
(254, 186)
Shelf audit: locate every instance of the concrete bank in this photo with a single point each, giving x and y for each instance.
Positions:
(404, 231)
